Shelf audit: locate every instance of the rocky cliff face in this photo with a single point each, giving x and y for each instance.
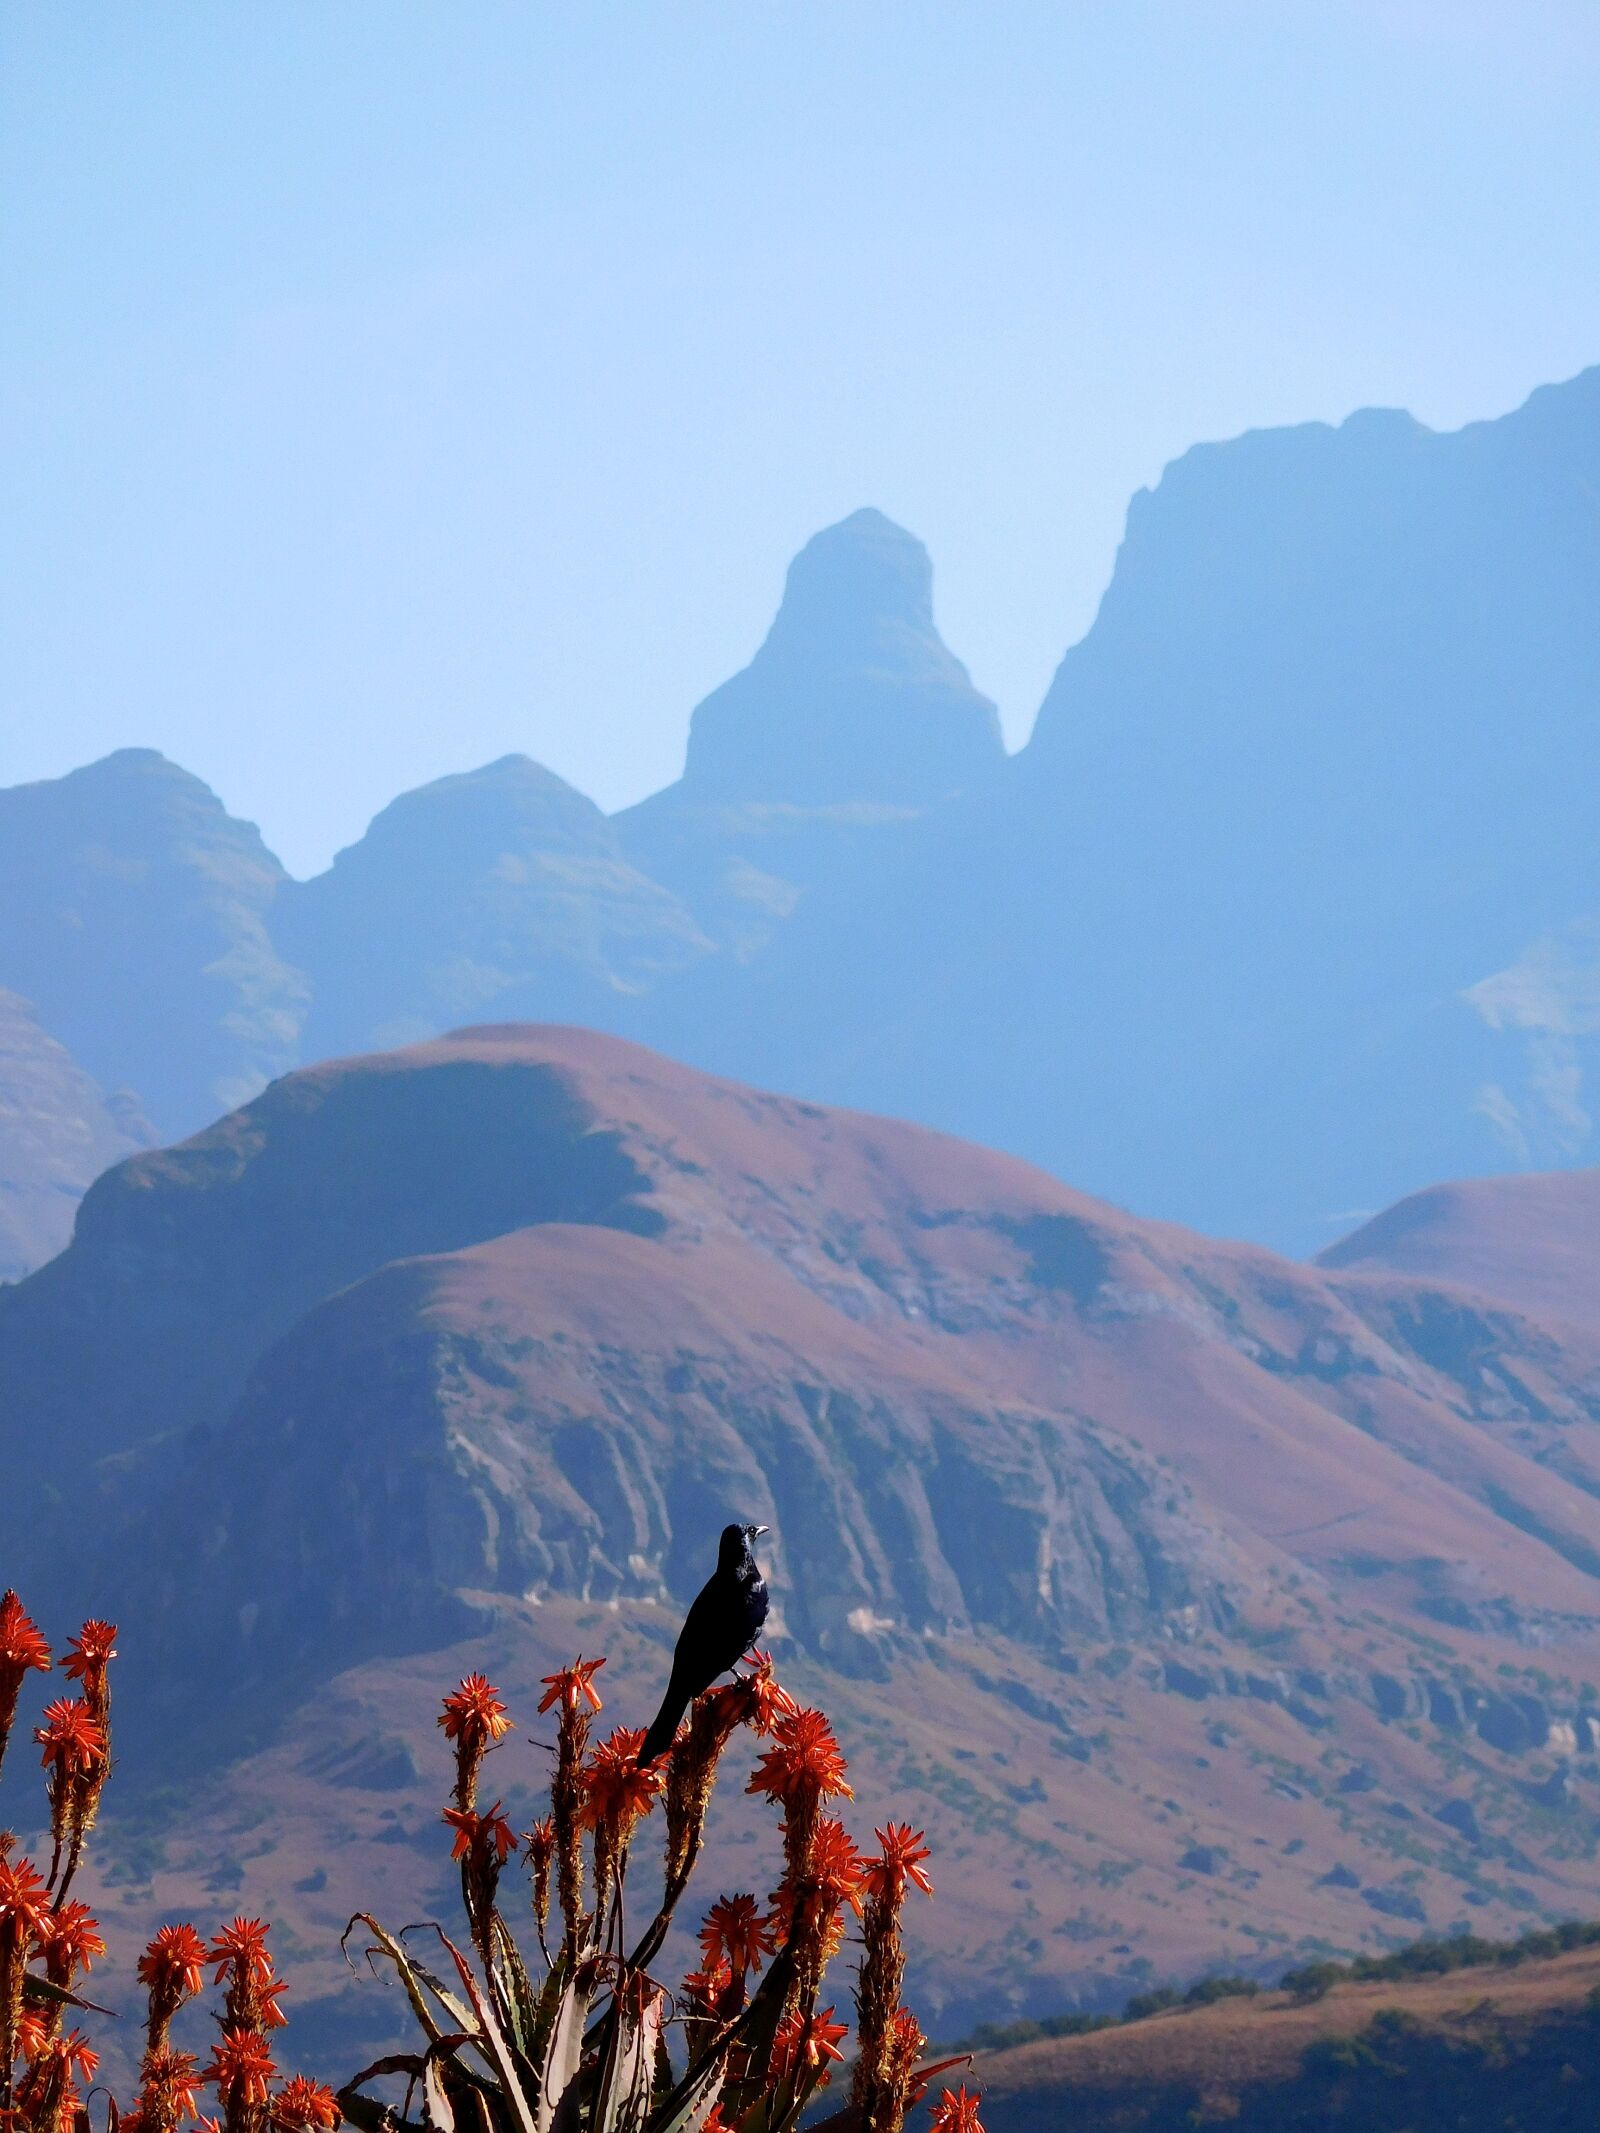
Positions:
(851, 722)
(854, 695)
(561, 1306)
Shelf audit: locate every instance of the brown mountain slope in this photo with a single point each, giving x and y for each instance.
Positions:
(1532, 1242)
(1206, 1607)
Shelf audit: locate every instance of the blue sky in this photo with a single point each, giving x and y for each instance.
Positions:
(387, 386)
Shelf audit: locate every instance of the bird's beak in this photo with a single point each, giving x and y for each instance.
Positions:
(760, 1530)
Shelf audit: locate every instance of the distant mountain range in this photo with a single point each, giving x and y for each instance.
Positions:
(1209, 1609)
(1290, 906)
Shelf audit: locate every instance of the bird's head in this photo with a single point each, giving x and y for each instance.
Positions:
(736, 1540)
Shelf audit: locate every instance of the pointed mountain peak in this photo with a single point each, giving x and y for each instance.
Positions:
(866, 572)
(511, 803)
(854, 696)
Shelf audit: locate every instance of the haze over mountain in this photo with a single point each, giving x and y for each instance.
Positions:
(133, 914)
(1289, 908)
(57, 1133)
(501, 888)
(852, 721)
(1205, 1606)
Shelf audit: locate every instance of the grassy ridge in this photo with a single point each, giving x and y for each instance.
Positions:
(1430, 1956)
(1458, 2036)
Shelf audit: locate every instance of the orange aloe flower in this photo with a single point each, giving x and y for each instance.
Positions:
(21, 1648)
(73, 2054)
(174, 1962)
(835, 1867)
(807, 2042)
(571, 1683)
(172, 1969)
(477, 1833)
(170, 2083)
(706, 1986)
(755, 1699)
(72, 1738)
(735, 1932)
(899, 1860)
(306, 2107)
(24, 1902)
(264, 2003)
(24, 1913)
(240, 1948)
(805, 1764)
(241, 2067)
(955, 2112)
(616, 1790)
(71, 1943)
(89, 1654)
(473, 1710)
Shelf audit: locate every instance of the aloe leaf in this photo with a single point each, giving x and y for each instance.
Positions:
(550, 1993)
(41, 1992)
(519, 2000)
(499, 2051)
(370, 2116)
(458, 2010)
(758, 2026)
(845, 2120)
(435, 2103)
(366, 2112)
(690, 2104)
(636, 2066)
(564, 2053)
(409, 1977)
(406, 2063)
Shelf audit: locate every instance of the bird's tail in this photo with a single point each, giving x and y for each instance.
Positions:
(662, 1732)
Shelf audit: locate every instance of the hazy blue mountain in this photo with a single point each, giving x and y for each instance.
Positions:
(57, 1133)
(1288, 907)
(133, 914)
(498, 894)
(853, 719)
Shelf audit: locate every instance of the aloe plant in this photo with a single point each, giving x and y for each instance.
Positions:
(585, 2038)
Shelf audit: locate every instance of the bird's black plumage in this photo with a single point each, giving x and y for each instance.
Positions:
(720, 1627)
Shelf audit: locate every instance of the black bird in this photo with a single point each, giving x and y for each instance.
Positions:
(719, 1628)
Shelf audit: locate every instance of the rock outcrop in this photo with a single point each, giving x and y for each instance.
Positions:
(851, 722)
(854, 696)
